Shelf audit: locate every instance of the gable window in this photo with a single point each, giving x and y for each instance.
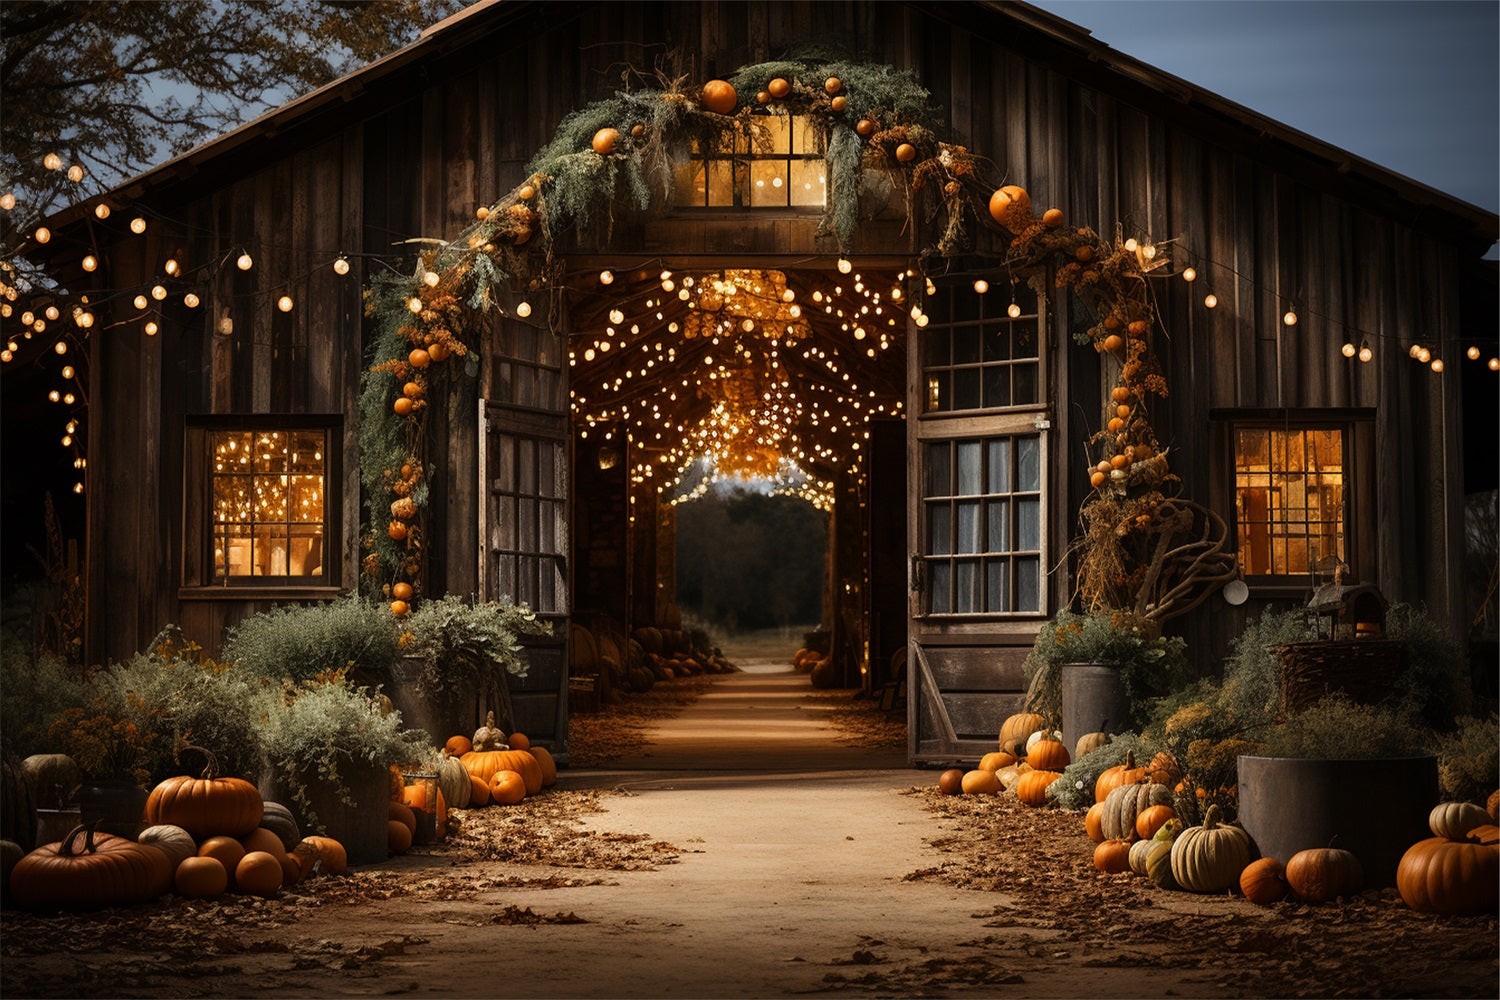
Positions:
(1296, 493)
(261, 502)
(778, 166)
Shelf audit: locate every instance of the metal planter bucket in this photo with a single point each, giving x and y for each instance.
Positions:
(1093, 701)
(1374, 809)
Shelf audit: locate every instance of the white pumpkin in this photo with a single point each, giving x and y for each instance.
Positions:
(1454, 820)
(173, 841)
(1040, 734)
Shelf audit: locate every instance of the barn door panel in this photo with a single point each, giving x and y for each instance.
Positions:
(524, 513)
(978, 455)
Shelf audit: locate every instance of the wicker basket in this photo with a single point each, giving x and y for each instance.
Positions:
(1364, 669)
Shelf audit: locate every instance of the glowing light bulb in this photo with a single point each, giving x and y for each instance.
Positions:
(7, 201)
(1131, 245)
(77, 487)
(1424, 355)
(89, 262)
(101, 211)
(1188, 274)
(1414, 350)
(1473, 353)
(616, 316)
(43, 234)
(140, 302)
(67, 371)
(158, 292)
(52, 161)
(1495, 364)
(1437, 364)
(606, 278)
(1210, 300)
(190, 300)
(171, 266)
(922, 320)
(845, 266)
(341, 265)
(52, 312)
(1290, 318)
(414, 304)
(84, 319)
(138, 225)
(981, 286)
(523, 309)
(54, 396)
(284, 303)
(430, 279)
(1348, 350)
(1013, 311)
(1365, 354)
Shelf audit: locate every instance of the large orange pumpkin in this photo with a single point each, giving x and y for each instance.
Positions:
(88, 870)
(400, 812)
(201, 878)
(1031, 787)
(480, 793)
(206, 806)
(1444, 876)
(261, 839)
(719, 97)
(1020, 726)
(327, 854)
(1112, 857)
(421, 798)
(1048, 755)
(484, 763)
(226, 850)
(398, 836)
(1093, 822)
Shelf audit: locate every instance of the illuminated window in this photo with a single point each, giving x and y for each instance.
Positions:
(781, 166)
(1301, 496)
(262, 490)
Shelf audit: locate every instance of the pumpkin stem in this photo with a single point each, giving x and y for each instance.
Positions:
(65, 849)
(211, 765)
(489, 720)
(1211, 817)
(1130, 760)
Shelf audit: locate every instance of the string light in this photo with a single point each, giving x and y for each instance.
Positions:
(284, 303)
(101, 211)
(1365, 354)
(845, 266)
(158, 292)
(981, 286)
(1210, 301)
(341, 265)
(1013, 310)
(190, 300)
(42, 234)
(606, 278)
(1189, 275)
(523, 309)
(245, 262)
(140, 302)
(7, 201)
(53, 312)
(52, 161)
(151, 328)
(1495, 364)
(1349, 350)
(1437, 364)
(89, 262)
(61, 347)
(1473, 352)
(75, 173)
(1290, 317)
(414, 304)
(138, 225)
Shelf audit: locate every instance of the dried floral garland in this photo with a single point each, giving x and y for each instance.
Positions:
(619, 153)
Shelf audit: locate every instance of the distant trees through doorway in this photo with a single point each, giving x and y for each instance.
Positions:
(747, 560)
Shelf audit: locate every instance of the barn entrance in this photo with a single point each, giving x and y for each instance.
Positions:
(783, 381)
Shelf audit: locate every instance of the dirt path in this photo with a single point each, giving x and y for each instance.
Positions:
(748, 851)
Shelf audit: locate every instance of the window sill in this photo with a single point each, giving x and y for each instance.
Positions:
(297, 592)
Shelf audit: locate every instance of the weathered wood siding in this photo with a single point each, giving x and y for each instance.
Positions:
(412, 152)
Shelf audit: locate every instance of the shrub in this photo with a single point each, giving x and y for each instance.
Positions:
(1252, 685)
(1468, 760)
(1435, 681)
(1340, 729)
(1151, 665)
(1075, 789)
(301, 643)
(33, 693)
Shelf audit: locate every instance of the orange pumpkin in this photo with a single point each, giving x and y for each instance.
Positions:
(980, 783)
(1150, 819)
(484, 763)
(604, 141)
(1121, 774)
(1048, 755)
(291, 871)
(519, 741)
(398, 836)
(200, 878)
(995, 760)
(719, 97)
(88, 870)
(327, 855)
(1020, 726)
(1112, 857)
(206, 806)
(226, 850)
(1031, 787)
(1164, 769)
(457, 746)
(400, 812)
(950, 782)
(422, 798)
(261, 839)
(547, 764)
(1263, 882)
(480, 794)
(258, 874)
(506, 788)
(1093, 822)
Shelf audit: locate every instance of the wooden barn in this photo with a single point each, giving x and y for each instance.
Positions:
(892, 358)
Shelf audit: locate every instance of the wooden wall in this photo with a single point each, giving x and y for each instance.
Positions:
(411, 153)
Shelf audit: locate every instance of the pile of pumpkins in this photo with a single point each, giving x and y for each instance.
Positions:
(1030, 758)
(205, 836)
(637, 662)
(490, 768)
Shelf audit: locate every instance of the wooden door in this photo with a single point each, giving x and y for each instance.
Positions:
(524, 513)
(978, 453)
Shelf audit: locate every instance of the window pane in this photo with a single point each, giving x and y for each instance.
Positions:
(939, 529)
(965, 389)
(996, 343)
(1289, 495)
(1028, 583)
(808, 182)
(999, 470)
(804, 135)
(1028, 524)
(307, 499)
(997, 386)
(968, 468)
(720, 183)
(998, 595)
(966, 586)
(1028, 463)
(968, 527)
(941, 578)
(935, 353)
(939, 474)
(305, 551)
(268, 554)
(692, 183)
(768, 179)
(939, 393)
(966, 345)
(1026, 385)
(999, 524)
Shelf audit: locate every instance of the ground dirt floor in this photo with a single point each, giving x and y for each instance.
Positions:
(758, 840)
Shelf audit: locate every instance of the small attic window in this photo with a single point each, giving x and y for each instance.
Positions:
(781, 168)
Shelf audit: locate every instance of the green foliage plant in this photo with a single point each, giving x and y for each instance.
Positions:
(301, 642)
(1337, 728)
(1252, 686)
(1150, 664)
(1434, 682)
(1075, 789)
(471, 647)
(1468, 759)
(327, 730)
(33, 693)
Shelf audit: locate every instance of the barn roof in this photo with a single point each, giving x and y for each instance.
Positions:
(1069, 47)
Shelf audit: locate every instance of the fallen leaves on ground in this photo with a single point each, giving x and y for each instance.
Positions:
(1041, 862)
(860, 720)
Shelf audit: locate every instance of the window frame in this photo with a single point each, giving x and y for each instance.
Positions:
(743, 160)
(1357, 429)
(199, 579)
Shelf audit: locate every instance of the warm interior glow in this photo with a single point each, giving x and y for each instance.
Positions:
(268, 503)
(1289, 499)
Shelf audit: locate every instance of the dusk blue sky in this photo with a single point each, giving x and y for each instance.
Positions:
(1411, 86)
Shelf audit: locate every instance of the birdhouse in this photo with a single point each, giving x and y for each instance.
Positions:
(1347, 611)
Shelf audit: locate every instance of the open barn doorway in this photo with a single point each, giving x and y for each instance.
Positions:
(769, 395)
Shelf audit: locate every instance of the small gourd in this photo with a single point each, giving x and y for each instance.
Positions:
(1263, 882)
(1454, 820)
(1088, 743)
(1138, 852)
(487, 737)
(1159, 865)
